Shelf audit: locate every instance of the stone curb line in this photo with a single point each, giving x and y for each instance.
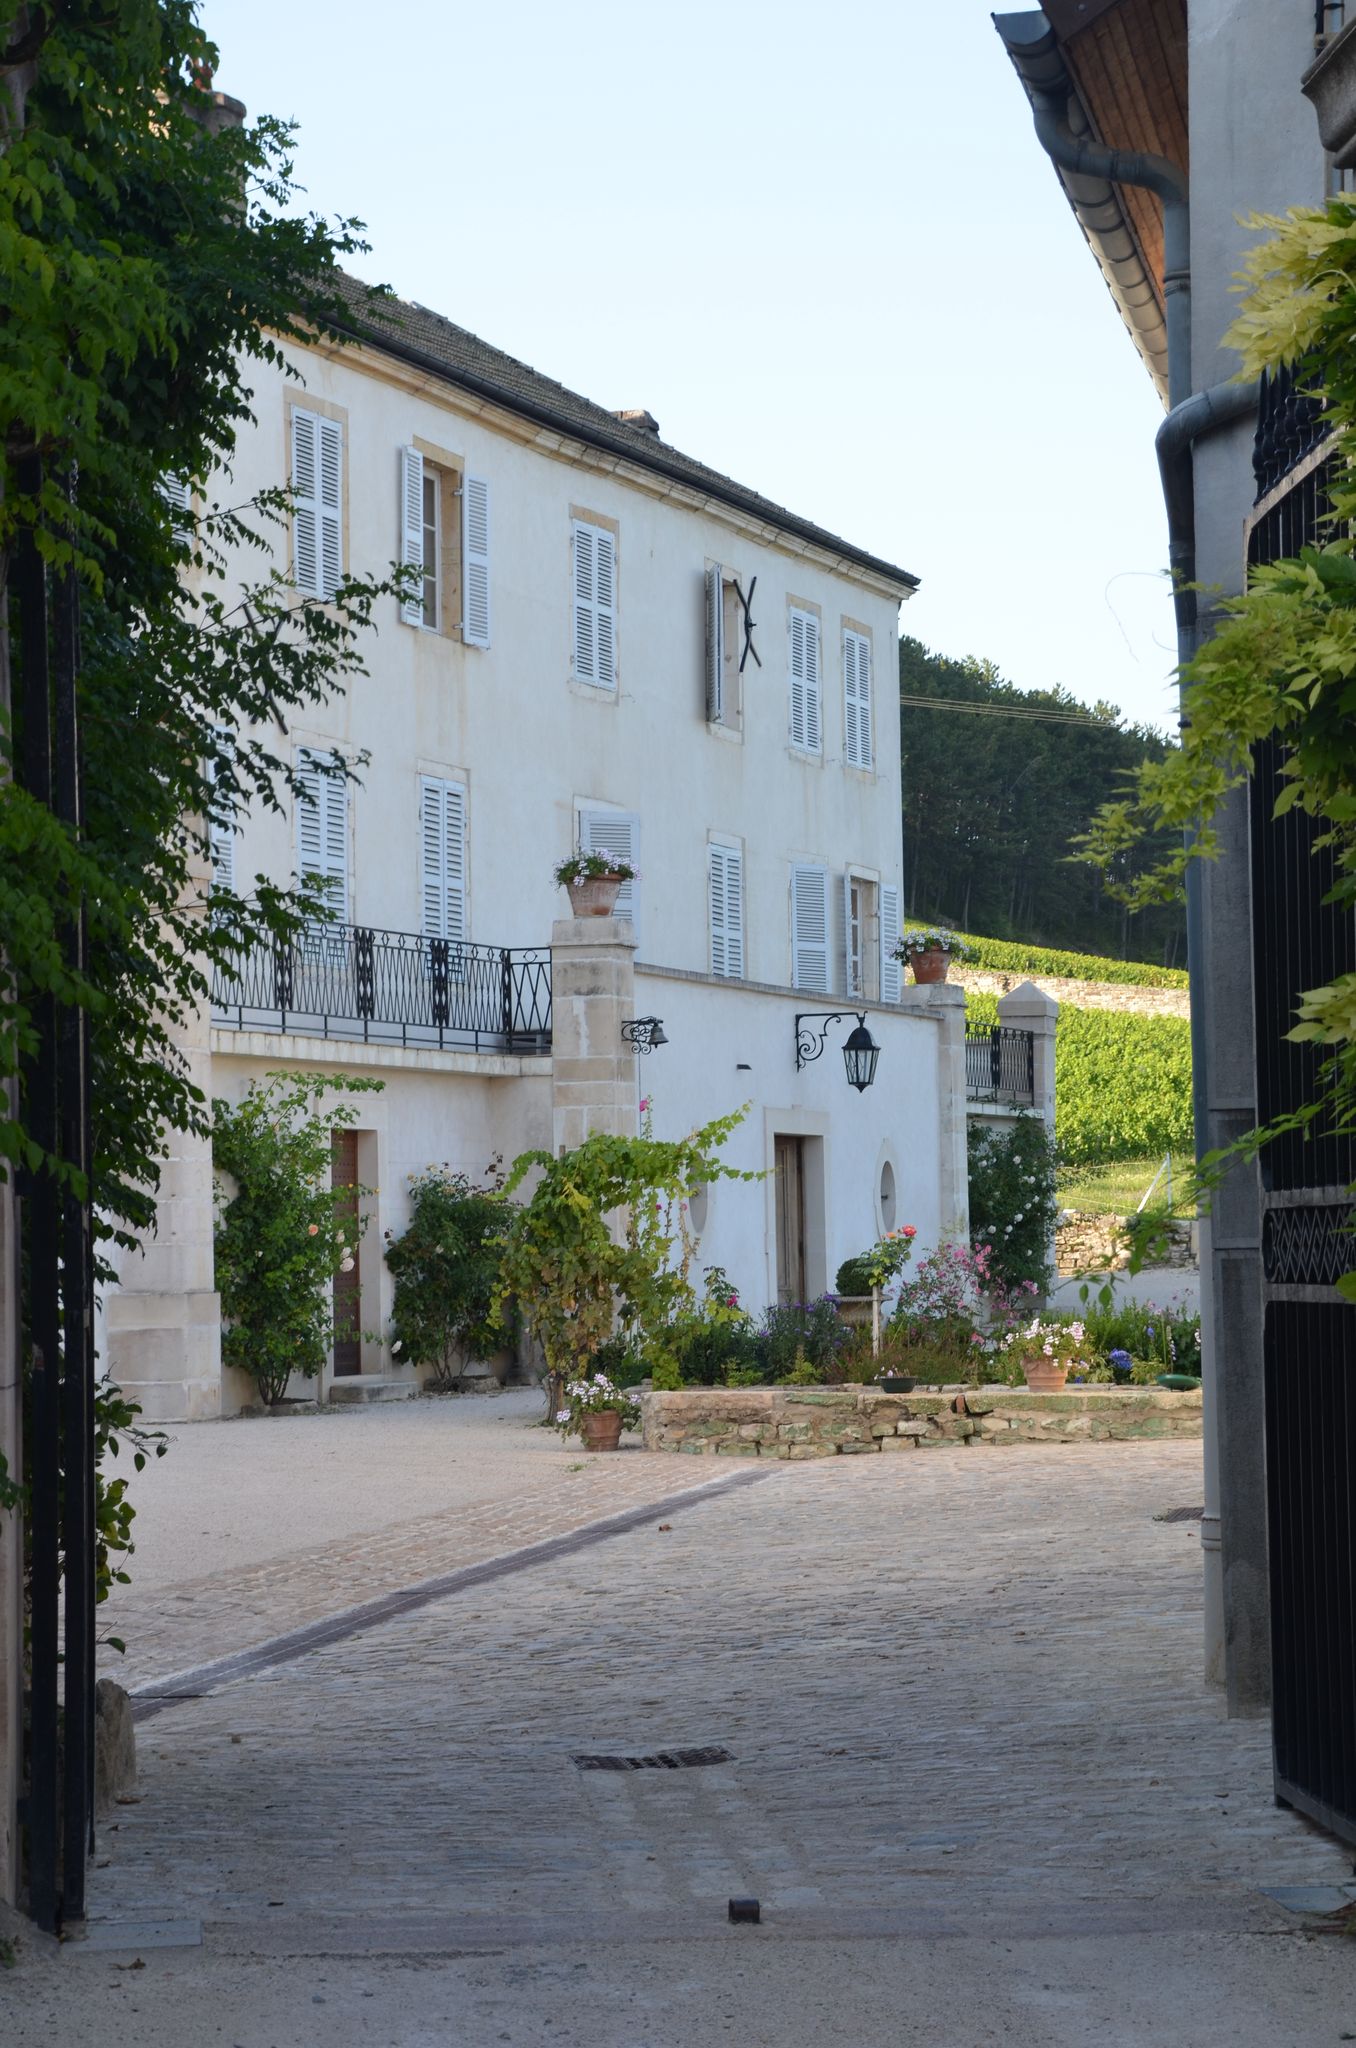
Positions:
(202, 1679)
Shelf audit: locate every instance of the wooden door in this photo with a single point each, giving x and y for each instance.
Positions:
(347, 1286)
(789, 1160)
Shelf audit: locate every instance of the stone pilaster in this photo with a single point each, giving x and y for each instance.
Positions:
(593, 1080)
(1028, 1008)
(946, 1003)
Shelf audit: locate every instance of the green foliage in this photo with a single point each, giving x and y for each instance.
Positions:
(281, 1237)
(116, 1424)
(446, 1267)
(1005, 956)
(994, 806)
(1165, 1336)
(572, 1278)
(1122, 1082)
(1012, 1199)
(878, 1266)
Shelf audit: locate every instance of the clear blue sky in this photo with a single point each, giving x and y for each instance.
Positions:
(819, 243)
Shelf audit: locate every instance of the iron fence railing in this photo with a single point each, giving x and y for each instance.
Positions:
(391, 988)
(1291, 423)
(1001, 1063)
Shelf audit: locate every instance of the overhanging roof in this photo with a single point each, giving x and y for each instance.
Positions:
(1121, 66)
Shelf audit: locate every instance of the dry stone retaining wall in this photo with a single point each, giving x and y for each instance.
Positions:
(826, 1422)
(1101, 1244)
(1131, 996)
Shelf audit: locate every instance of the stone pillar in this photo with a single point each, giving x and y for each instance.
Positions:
(1028, 1008)
(946, 1002)
(11, 1548)
(593, 1078)
(162, 1323)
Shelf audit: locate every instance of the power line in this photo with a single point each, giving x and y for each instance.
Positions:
(1043, 716)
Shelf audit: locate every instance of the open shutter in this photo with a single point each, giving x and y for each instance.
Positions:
(617, 833)
(475, 561)
(442, 839)
(810, 927)
(305, 504)
(585, 630)
(412, 529)
(605, 599)
(322, 832)
(857, 699)
(813, 739)
(727, 911)
(798, 624)
(891, 972)
(715, 646)
(331, 445)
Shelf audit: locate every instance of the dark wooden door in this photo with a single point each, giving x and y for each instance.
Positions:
(348, 1357)
(789, 1161)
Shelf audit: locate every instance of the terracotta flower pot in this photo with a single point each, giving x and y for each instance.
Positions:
(930, 966)
(601, 1432)
(594, 896)
(1045, 1375)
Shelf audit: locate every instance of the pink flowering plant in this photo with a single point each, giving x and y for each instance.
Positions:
(594, 1394)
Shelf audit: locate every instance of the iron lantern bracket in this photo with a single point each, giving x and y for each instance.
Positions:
(810, 1045)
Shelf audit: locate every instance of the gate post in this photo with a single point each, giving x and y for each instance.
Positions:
(593, 1070)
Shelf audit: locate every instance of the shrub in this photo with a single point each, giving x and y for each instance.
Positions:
(800, 1336)
(278, 1246)
(446, 1267)
(1012, 1199)
(887, 1257)
(1006, 956)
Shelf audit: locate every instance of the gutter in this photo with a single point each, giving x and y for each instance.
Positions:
(572, 429)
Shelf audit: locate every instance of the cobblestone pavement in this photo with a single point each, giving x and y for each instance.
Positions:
(974, 1781)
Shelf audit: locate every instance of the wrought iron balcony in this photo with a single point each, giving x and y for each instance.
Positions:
(1291, 423)
(1000, 1064)
(391, 988)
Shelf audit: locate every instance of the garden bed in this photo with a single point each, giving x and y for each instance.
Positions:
(825, 1422)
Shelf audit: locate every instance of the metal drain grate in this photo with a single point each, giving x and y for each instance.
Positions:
(1181, 1515)
(660, 1760)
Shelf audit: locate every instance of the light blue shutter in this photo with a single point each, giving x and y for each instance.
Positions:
(810, 926)
(305, 504)
(617, 833)
(331, 466)
(715, 645)
(891, 971)
(322, 832)
(442, 836)
(727, 911)
(857, 699)
(595, 589)
(475, 561)
(412, 530)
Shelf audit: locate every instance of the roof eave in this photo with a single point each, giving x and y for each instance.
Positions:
(1034, 49)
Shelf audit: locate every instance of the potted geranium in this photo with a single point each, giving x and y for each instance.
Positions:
(592, 881)
(594, 1409)
(930, 952)
(1048, 1352)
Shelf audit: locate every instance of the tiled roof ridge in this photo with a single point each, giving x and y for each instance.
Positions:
(465, 358)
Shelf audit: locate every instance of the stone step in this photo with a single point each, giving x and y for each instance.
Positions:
(357, 1389)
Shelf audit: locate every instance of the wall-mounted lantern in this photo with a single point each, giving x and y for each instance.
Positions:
(860, 1051)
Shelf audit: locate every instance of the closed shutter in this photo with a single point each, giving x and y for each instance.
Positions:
(177, 492)
(805, 714)
(322, 832)
(727, 911)
(412, 530)
(442, 838)
(715, 646)
(810, 927)
(857, 699)
(475, 561)
(317, 499)
(595, 604)
(891, 971)
(617, 833)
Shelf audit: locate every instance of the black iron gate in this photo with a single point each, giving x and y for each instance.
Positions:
(57, 1279)
(1309, 1333)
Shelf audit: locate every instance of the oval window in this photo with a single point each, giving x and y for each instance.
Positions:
(887, 1196)
(698, 1202)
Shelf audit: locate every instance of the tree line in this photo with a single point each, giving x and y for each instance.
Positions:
(996, 800)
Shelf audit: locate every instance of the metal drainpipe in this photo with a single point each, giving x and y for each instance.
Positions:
(1190, 417)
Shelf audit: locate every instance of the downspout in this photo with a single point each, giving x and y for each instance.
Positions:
(1191, 417)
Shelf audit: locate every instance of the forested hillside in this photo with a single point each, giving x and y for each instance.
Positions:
(993, 804)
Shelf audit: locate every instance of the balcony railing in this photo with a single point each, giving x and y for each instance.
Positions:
(391, 988)
(1001, 1064)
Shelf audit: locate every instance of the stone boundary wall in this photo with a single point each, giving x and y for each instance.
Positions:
(1101, 1244)
(827, 1422)
(1080, 995)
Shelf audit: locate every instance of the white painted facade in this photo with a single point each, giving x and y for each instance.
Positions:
(558, 689)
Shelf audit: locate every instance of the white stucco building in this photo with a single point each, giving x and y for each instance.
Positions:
(616, 647)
